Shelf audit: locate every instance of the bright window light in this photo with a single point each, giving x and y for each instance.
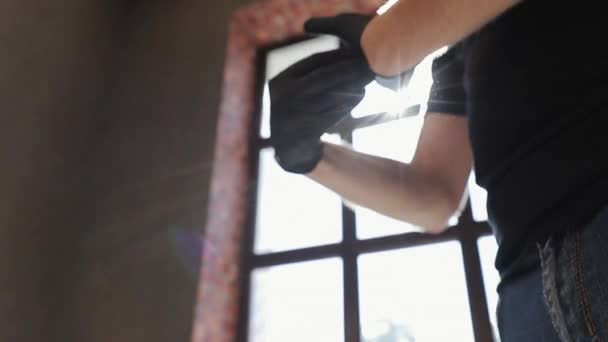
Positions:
(404, 299)
(386, 6)
(299, 302)
(478, 197)
(379, 99)
(293, 211)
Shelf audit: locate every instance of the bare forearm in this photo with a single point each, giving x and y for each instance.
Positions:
(412, 29)
(389, 187)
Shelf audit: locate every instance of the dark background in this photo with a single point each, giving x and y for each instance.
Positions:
(108, 112)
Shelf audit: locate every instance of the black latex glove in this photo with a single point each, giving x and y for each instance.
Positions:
(349, 27)
(310, 97)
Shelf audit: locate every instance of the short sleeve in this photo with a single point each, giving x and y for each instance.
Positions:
(447, 94)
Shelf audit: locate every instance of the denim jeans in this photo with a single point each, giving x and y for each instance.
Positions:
(566, 298)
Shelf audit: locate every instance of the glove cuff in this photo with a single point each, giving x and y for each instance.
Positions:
(300, 159)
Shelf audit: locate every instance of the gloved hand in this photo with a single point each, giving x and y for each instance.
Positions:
(310, 97)
(349, 28)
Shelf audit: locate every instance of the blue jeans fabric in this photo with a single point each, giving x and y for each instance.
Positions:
(566, 299)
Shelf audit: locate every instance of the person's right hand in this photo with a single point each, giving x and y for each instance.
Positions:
(310, 97)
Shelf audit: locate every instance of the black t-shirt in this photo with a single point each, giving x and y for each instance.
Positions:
(534, 86)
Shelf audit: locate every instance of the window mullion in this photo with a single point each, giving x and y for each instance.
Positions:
(352, 321)
(482, 328)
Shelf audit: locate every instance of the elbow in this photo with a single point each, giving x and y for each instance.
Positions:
(437, 224)
(384, 57)
(381, 61)
(446, 207)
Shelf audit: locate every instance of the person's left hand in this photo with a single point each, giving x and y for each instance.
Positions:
(310, 97)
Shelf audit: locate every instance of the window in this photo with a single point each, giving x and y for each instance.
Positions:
(314, 314)
(316, 269)
(415, 297)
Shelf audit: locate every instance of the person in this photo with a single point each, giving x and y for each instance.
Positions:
(520, 96)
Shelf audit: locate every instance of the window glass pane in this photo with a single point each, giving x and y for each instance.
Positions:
(487, 252)
(300, 302)
(379, 99)
(292, 210)
(478, 197)
(415, 294)
(371, 224)
(279, 59)
(395, 139)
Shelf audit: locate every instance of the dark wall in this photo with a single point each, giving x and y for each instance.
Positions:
(106, 134)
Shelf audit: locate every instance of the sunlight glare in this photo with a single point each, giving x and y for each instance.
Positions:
(386, 6)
